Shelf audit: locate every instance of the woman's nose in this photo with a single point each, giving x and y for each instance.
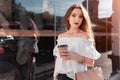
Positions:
(77, 19)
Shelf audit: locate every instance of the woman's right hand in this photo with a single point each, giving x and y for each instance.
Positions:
(64, 54)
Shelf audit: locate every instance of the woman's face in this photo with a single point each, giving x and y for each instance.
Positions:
(75, 18)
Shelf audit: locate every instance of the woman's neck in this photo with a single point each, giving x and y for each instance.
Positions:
(74, 31)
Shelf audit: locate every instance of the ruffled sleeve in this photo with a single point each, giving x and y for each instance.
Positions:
(90, 51)
(60, 41)
(55, 51)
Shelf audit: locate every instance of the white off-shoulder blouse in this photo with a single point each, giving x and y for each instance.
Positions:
(79, 45)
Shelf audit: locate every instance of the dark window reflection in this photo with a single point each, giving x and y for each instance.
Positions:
(101, 22)
(19, 19)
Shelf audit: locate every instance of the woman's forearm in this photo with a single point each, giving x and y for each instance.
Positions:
(79, 58)
(85, 60)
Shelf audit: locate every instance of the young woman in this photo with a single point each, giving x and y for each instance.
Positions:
(79, 38)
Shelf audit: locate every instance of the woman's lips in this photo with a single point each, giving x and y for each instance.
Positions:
(76, 23)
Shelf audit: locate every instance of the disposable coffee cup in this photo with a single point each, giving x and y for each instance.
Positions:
(62, 50)
(63, 46)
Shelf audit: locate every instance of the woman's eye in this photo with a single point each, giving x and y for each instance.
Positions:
(73, 15)
(80, 16)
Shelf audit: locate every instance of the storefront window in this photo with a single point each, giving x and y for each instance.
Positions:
(22, 20)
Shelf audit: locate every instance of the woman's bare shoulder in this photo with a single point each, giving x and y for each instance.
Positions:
(62, 35)
(84, 35)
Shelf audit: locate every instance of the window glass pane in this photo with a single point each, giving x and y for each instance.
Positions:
(101, 15)
(41, 11)
(102, 25)
(21, 19)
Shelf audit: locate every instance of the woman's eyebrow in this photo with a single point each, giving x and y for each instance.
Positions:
(81, 14)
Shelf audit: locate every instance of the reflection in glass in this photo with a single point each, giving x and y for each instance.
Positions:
(48, 17)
